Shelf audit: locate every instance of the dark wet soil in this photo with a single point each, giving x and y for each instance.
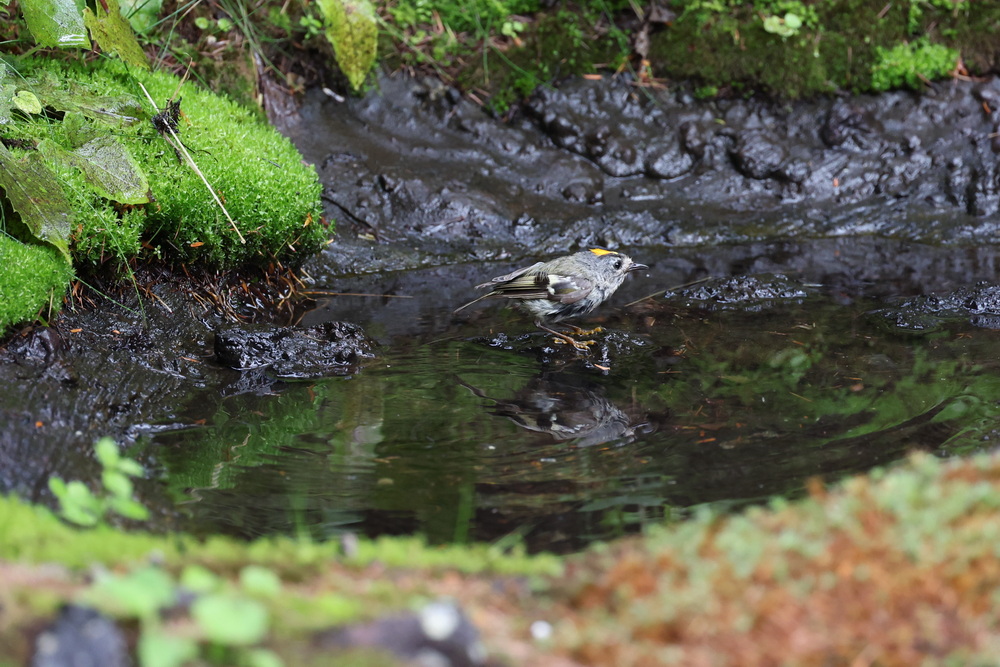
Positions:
(838, 218)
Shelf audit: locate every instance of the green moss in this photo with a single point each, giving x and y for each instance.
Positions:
(857, 45)
(256, 173)
(564, 43)
(911, 65)
(33, 534)
(33, 279)
(786, 48)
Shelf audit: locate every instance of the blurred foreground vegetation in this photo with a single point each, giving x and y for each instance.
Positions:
(899, 566)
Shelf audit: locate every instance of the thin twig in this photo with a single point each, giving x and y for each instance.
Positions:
(193, 166)
(383, 296)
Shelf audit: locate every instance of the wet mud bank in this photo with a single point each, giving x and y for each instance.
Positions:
(434, 180)
(866, 204)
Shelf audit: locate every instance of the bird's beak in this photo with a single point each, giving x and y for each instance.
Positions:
(636, 267)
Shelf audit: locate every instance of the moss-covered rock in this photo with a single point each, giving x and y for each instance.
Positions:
(33, 279)
(257, 174)
(130, 191)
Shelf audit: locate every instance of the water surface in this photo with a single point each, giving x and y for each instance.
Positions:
(475, 427)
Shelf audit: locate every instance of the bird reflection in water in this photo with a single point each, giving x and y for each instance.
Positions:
(581, 415)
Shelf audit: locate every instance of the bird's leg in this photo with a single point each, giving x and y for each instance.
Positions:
(583, 346)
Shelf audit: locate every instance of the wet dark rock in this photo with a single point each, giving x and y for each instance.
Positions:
(81, 637)
(983, 189)
(439, 635)
(757, 155)
(749, 292)
(849, 125)
(667, 159)
(978, 305)
(328, 348)
(36, 345)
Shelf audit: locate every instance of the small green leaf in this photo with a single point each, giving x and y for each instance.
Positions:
(199, 579)
(55, 23)
(130, 468)
(114, 34)
(262, 657)
(159, 650)
(129, 508)
(141, 593)
(353, 32)
(107, 452)
(77, 504)
(107, 166)
(117, 484)
(260, 581)
(34, 192)
(142, 14)
(230, 620)
(57, 486)
(26, 101)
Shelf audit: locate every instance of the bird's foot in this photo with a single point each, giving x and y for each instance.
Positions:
(577, 331)
(582, 345)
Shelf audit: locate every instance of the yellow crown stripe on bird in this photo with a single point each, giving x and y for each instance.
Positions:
(601, 251)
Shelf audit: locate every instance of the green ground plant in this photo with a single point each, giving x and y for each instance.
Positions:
(105, 172)
(32, 281)
(909, 549)
(119, 189)
(911, 65)
(79, 505)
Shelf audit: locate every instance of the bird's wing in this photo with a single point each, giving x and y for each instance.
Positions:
(530, 283)
(568, 289)
(513, 275)
(541, 285)
(500, 289)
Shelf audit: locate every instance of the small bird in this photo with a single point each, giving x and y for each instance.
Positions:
(563, 287)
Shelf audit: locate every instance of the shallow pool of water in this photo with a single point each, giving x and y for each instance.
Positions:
(475, 427)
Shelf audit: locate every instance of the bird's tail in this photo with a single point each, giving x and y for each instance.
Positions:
(476, 300)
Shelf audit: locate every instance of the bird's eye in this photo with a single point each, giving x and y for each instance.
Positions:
(618, 264)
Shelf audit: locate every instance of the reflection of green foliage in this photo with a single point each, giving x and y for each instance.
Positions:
(353, 425)
(417, 442)
(814, 382)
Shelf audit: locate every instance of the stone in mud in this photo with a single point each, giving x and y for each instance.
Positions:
(757, 155)
(752, 293)
(81, 636)
(978, 305)
(667, 160)
(37, 345)
(439, 634)
(849, 126)
(328, 348)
